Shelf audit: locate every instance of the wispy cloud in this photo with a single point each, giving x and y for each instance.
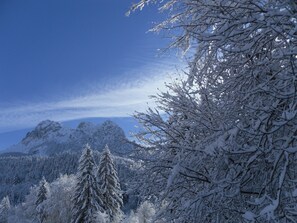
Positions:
(119, 99)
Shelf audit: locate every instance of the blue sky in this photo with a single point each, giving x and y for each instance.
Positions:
(71, 59)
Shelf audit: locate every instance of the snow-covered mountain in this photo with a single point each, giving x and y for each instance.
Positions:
(51, 137)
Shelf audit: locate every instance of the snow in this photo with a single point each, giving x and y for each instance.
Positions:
(248, 215)
(294, 194)
(50, 137)
(269, 210)
(175, 170)
(292, 149)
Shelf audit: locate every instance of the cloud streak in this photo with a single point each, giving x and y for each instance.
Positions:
(112, 100)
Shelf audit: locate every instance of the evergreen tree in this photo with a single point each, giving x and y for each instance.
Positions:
(42, 195)
(109, 182)
(4, 208)
(87, 199)
(42, 192)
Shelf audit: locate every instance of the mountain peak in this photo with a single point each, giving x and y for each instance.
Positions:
(48, 125)
(84, 125)
(49, 137)
(41, 130)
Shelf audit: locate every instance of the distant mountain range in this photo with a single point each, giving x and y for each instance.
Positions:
(52, 149)
(50, 137)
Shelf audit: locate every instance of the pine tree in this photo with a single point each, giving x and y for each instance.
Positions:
(42, 195)
(109, 182)
(42, 192)
(87, 199)
(4, 208)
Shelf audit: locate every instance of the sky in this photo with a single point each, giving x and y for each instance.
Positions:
(70, 59)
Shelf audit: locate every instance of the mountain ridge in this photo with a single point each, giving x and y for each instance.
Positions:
(50, 137)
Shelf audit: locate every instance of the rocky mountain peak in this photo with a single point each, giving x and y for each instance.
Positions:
(41, 130)
(109, 127)
(87, 127)
(49, 137)
(48, 125)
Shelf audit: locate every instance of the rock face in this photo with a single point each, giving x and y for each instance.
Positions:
(41, 130)
(51, 137)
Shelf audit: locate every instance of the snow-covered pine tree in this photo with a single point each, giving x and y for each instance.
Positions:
(88, 198)
(42, 194)
(109, 182)
(4, 208)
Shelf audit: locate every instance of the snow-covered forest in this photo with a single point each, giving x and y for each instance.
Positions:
(92, 194)
(221, 145)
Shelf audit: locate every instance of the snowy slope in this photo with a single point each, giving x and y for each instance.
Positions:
(51, 137)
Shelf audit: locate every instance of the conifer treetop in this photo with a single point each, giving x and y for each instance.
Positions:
(110, 185)
(88, 196)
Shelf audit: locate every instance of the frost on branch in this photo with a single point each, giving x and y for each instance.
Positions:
(231, 128)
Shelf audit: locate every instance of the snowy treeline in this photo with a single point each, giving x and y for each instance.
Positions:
(19, 174)
(46, 202)
(92, 195)
(226, 148)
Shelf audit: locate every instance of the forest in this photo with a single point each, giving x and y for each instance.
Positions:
(221, 145)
